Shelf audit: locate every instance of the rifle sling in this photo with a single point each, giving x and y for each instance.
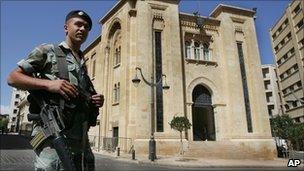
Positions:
(62, 68)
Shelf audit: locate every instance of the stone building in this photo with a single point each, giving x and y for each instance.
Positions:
(272, 91)
(287, 38)
(15, 100)
(19, 106)
(211, 65)
(25, 127)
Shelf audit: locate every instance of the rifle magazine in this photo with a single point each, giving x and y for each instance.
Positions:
(38, 140)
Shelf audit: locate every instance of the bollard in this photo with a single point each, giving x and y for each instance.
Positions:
(133, 154)
(152, 148)
(152, 156)
(118, 151)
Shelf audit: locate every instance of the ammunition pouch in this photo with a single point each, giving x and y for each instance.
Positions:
(37, 141)
(85, 105)
(92, 114)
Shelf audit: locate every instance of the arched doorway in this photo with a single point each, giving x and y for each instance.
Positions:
(202, 115)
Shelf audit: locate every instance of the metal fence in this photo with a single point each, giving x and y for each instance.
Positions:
(93, 140)
(286, 149)
(111, 143)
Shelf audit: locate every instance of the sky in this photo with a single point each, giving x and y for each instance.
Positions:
(27, 24)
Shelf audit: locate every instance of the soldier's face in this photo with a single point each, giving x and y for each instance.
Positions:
(77, 30)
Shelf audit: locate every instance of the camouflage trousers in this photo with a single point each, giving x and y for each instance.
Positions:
(47, 158)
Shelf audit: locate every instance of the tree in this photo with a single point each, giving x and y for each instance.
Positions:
(180, 123)
(284, 127)
(297, 135)
(3, 124)
(281, 126)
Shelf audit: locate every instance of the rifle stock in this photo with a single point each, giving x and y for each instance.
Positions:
(52, 127)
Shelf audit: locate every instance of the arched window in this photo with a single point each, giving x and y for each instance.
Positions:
(116, 53)
(201, 96)
(116, 57)
(197, 52)
(118, 92)
(188, 49)
(115, 93)
(207, 52)
(119, 55)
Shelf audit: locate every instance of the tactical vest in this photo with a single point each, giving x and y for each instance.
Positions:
(84, 84)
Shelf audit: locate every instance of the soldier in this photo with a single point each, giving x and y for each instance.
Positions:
(40, 72)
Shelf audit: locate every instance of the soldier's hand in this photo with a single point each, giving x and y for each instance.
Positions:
(98, 100)
(63, 87)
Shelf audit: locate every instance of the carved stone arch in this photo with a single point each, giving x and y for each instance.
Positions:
(114, 26)
(114, 30)
(115, 43)
(208, 84)
(202, 94)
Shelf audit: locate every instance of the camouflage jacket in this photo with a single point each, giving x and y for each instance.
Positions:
(42, 61)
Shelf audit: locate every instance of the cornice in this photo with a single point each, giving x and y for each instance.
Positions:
(233, 10)
(189, 20)
(92, 44)
(112, 11)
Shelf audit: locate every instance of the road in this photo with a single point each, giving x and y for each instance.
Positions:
(17, 155)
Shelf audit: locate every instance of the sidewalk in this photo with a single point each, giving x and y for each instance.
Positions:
(199, 162)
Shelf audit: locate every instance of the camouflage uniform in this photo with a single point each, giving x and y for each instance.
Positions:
(43, 60)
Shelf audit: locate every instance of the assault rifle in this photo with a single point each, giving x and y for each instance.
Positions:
(52, 126)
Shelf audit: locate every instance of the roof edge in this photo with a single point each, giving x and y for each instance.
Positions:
(206, 17)
(112, 11)
(94, 42)
(223, 7)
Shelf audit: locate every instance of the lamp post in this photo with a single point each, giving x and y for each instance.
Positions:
(152, 84)
(199, 20)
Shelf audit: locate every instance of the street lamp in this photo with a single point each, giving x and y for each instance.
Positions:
(152, 84)
(199, 20)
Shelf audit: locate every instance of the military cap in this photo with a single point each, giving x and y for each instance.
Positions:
(80, 14)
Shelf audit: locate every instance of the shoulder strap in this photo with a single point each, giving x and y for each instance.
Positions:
(63, 69)
(61, 63)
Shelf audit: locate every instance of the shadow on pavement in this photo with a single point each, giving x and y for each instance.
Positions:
(8, 141)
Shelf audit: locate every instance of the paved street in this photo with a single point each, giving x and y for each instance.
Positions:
(22, 157)
(17, 159)
(23, 160)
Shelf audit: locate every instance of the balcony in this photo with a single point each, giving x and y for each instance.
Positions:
(289, 80)
(290, 61)
(300, 34)
(285, 48)
(201, 62)
(282, 35)
(296, 111)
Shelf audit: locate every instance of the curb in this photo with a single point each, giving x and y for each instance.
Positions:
(208, 163)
